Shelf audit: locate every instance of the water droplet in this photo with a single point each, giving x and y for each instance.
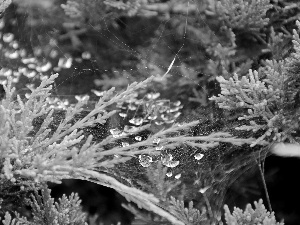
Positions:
(172, 164)
(203, 190)
(122, 115)
(136, 121)
(27, 95)
(125, 144)
(86, 55)
(14, 44)
(153, 96)
(8, 37)
(177, 114)
(28, 60)
(178, 176)
(30, 74)
(145, 160)
(159, 123)
(177, 103)
(31, 66)
(159, 148)
(152, 117)
(138, 138)
(82, 98)
(65, 63)
(130, 129)
(198, 156)
(156, 141)
(16, 79)
(169, 174)
(53, 53)
(168, 162)
(12, 55)
(6, 72)
(37, 51)
(132, 107)
(44, 68)
(97, 93)
(115, 132)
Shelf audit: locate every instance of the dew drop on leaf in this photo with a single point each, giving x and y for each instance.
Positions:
(169, 174)
(177, 114)
(172, 164)
(65, 63)
(159, 123)
(145, 160)
(156, 141)
(152, 117)
(168, 162)
(125, 144)
(198, 156)
(136, 121)
(177, 103)
(130, 129)
(12, 55)
(138, 138)
(203, 190)
(86, 55)
(97, 93)
(8, 37)
(166, 158)
(131, 107)
(153, 95)
(81, 97)
(123, 115)
(53, 54)
(158, 148)
(115, 132)
(178, 176)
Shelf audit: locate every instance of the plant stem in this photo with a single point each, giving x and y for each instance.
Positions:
(265, 186)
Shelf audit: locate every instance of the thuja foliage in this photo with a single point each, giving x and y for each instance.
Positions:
(257, 216)
(267, 97)
(39, 155)
(47, 212)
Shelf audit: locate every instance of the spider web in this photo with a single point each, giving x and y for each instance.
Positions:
(32, 48)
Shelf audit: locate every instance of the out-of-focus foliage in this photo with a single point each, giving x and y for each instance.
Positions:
(3, 5)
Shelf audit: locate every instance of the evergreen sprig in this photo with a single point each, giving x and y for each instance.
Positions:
(257, 216)
(270, 97)
(67, 211)
(190, 215)
(245, 15)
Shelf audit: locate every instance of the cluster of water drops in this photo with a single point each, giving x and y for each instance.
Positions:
(149, 109)
(32, 65)
(145, 160)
